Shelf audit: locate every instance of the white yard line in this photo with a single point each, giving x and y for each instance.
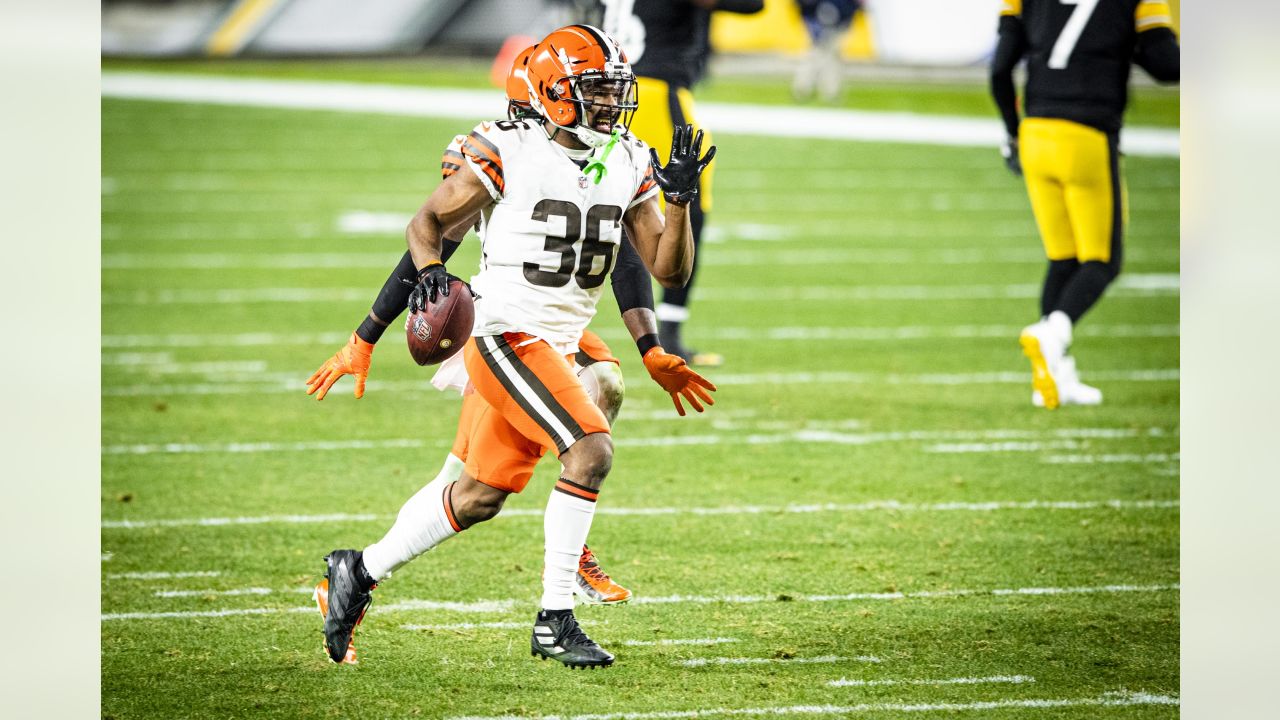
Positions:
(735, 432)
(1001, 447)
(260, 447)
(852, 597)
(873, 506)
(500, 606)
(301, 261)
(823, 659)
(233, 521)
(475, 105)
(868, 333)
(1011, 679)
(311, 295)
(679, 641)
(293, 382)
(1119, 699)
(469, 626)
(1147, 459)
(212, 593)
(160, 575)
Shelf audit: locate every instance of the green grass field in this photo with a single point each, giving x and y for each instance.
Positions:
(872, 499)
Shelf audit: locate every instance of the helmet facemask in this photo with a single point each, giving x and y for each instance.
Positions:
(605, 103)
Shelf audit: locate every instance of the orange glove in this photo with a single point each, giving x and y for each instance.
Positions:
(352, 359)
(671, 372)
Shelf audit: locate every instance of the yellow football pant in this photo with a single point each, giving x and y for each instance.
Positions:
(1076, 188)
(661, 109)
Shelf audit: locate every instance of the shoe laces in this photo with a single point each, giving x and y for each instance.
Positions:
(591, 568)
(572, 632)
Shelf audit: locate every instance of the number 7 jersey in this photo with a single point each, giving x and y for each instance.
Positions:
(549, 239)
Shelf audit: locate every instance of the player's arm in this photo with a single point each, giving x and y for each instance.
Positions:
(1157, 50)
(356, 356)
(634, 292)
(454, 203)
(1010, 47)
(665, 241)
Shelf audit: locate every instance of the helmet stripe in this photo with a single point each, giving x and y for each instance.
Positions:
(609, 54)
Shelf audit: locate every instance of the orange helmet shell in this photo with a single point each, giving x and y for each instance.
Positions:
(566, 56)
(517, 86)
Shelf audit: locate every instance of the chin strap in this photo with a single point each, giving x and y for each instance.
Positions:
(596, 167)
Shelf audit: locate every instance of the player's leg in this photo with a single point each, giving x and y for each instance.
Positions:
(601, 377)
(538, 393)
(662, 108)
(1086, 167)
(1095, 201)
(1045, 151)
(448, 504)
(672, 311)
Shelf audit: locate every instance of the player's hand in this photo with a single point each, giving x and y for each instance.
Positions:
(352, 359)
(1009, 150)
(679, 177)
(671, 372)
(433, 281)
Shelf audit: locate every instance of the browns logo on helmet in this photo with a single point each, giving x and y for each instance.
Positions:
(580, 81)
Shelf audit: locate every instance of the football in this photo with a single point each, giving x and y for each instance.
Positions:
(439, 330)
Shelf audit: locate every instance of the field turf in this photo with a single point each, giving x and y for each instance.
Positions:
(872, 499)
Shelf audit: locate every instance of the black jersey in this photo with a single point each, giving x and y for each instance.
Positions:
(1079, 54)
(674, 34)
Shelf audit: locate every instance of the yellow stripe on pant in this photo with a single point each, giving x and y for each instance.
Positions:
(1074, 183)
(656, 118)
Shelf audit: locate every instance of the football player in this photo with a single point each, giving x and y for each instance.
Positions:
(553, 197)
(596, 366)
(667, 40)
(1079, 55)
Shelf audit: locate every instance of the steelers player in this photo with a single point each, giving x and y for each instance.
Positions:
(1079, 54)
(666, 40)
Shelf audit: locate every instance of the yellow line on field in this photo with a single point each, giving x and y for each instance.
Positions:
(232, 34)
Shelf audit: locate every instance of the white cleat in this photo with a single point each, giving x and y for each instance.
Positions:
(1070, 390)
(1046, 351)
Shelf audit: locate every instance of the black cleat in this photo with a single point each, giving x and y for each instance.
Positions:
(347, 601)
(556, 635)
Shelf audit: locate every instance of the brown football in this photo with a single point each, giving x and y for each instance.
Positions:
(439, 330)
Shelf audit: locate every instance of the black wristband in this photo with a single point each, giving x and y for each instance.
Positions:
(648, 342)
(370, 330)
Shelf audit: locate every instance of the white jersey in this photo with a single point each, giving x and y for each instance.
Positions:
(550, 237)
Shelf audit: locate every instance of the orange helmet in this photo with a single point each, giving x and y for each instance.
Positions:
(518, 85)
(580, 81)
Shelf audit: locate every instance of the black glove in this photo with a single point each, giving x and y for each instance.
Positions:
(433, 282)
(1009, 150)
(679, 178)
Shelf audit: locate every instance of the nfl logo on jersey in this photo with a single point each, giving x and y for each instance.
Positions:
(582, 182)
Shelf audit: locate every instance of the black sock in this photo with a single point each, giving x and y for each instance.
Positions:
(669, 332)
(1085, 287)
(1055, 280)
(363, 578)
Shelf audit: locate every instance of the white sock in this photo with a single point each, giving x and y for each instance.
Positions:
(1060, 324)
(566, 523)
(421, 525)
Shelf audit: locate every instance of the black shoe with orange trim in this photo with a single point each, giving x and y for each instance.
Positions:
(557, 635)
(348, 598)
(594, 585)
